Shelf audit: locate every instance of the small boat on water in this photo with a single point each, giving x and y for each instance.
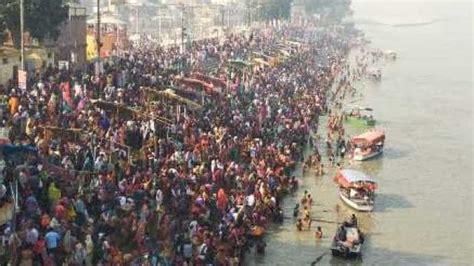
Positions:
(389, 54)
(374, 74)
(359, 117)
(347, 242)
(356, 189)
(368, 145)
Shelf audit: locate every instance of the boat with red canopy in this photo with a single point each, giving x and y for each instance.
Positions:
(368, 145)
(356, 189)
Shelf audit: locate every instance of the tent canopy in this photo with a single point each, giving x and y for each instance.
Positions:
(370, 137)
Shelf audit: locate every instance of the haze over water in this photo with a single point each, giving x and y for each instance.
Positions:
(424, 207)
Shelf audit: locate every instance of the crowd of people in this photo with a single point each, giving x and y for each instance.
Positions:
(108, 177)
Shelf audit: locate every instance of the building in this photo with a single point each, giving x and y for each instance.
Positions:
(71, 44)
(298, 12)
(9, 64)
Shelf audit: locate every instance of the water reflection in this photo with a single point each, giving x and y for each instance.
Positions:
(289, 253)
(373, 167)
(391, 153)
(388, 202)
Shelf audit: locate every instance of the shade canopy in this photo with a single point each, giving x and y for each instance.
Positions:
(349, 178)
(370, 137)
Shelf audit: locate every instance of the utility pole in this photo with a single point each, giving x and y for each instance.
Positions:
(97, 70)
(136, 19)
(159, 24)
(183, 29)
(228, 17)
(22, 26)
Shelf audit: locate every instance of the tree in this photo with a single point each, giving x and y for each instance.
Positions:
(3, 31)
(42, 18)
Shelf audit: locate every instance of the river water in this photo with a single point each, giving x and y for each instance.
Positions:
(424, 206)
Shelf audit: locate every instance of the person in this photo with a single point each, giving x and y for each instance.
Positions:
(319, 233)
(32, 235)
(80, 255)
(203, 251)
(52, 241)
(304, 199)
(293, 183)
(307, 216)
(187, 250)
(309, 201)
(296, 210)
(299, 224)
(331, 159)
(279, 215)
(321, 170)
(341, 233)
(3, 193)
(354, 220)
(343, 149)
(260, 246)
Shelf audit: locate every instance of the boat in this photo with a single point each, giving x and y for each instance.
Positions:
(374, 74)
(367, 145)
(359, 117)
(347, 242)
(389, 54)
(356, 189)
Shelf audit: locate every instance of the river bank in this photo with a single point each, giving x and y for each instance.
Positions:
(425, 173)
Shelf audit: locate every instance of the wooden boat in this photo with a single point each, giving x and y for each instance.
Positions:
(359, 117)
(356, 189)
(347, 242)
(368, 145)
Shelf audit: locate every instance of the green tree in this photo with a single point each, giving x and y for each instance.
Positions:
(42, 18)
(3, 29)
